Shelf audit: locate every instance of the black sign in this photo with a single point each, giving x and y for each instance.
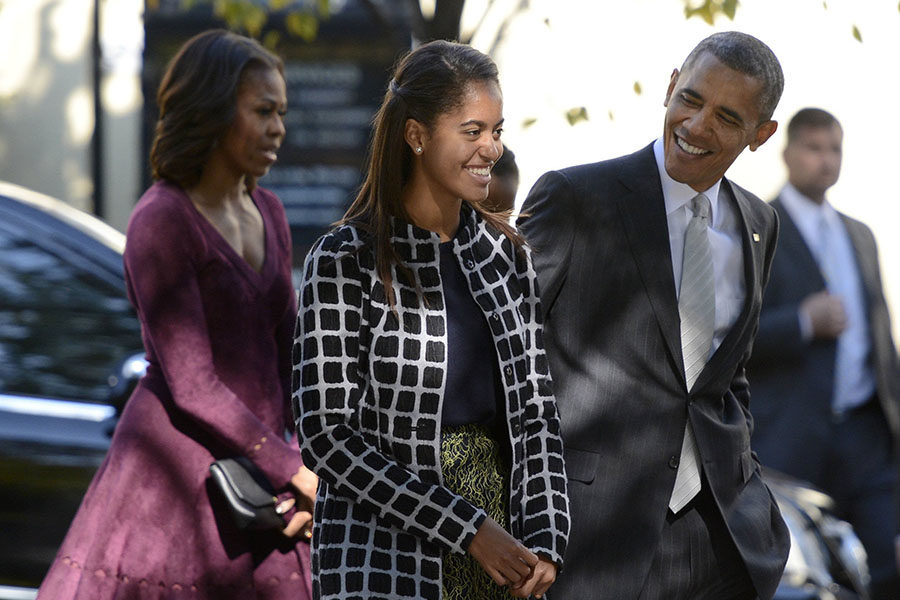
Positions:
(335, 85)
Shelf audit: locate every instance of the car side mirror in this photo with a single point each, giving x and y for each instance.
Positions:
(124, 379)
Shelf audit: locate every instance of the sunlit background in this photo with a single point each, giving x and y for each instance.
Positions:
(611, 58)
(615, 59)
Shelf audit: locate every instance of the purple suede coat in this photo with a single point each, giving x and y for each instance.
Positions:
(218, 339)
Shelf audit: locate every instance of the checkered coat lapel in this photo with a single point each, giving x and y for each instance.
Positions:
(368, 391)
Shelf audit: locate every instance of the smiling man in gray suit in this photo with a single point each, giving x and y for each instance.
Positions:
(651, 269)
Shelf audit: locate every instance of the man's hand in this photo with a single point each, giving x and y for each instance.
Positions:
(503, 557)
(826, 314)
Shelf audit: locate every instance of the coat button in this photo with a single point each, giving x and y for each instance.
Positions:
(673, 462)
(470, 264)
(508, 370)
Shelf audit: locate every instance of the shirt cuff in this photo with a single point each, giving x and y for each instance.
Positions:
(806, 328)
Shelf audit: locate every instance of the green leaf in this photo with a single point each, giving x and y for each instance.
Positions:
(637, 88)
(576, 114)
(704, 11)
(270, 39)
(255, 20)
(857, 34)
(302, 25)
(251, 16)
(708, 10)
(526, 123)
(729, 7)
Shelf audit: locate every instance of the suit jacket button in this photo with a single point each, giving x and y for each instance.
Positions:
(673, 462)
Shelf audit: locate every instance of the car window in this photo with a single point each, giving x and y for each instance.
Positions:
(63, 328)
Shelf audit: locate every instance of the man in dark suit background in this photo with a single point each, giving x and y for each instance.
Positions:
(504, 183)
(824, 367)
(618, 246)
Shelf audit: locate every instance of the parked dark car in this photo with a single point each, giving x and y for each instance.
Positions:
(68, 337)
(827, 561)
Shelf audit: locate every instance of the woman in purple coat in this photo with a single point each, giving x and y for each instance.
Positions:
(207, 262)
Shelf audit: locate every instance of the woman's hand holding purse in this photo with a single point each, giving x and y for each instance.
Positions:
(305, 483)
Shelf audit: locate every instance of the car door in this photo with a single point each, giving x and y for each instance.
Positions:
(66, 327)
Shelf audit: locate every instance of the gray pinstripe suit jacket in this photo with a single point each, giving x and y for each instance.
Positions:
(601, 250)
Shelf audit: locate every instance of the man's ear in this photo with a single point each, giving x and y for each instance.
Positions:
(415, 134)
(763, 132)
(672, 81)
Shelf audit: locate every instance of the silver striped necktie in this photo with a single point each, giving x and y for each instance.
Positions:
(697, 309)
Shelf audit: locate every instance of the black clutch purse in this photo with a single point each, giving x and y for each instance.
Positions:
(247, 493)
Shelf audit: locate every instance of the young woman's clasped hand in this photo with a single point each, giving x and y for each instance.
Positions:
(510, 563)
(304, 483)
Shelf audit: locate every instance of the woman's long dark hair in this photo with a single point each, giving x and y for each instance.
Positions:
(197, 99)
(428, 82)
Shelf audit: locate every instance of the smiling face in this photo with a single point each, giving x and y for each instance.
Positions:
(712, 115)
(463, 144)
(813, 159)
(251, 144)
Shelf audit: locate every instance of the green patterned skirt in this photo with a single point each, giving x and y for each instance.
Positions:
(473, 466)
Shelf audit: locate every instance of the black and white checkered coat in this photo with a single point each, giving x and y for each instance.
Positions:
(368, 390)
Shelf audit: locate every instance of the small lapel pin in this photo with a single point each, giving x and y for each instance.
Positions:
(755, 237)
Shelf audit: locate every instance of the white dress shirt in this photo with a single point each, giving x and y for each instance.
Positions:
(724, 239)
(854, 377)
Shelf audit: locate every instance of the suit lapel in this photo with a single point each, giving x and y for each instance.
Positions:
(868, 269)
(643, 213)
(792, 243)
(642, 210)
(753, 246)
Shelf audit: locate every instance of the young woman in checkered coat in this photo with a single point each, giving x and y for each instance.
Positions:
(421, 386)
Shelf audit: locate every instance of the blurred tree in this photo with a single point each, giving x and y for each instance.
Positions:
(443, 24)
(708, 10)
(301, 18)
(442, 21)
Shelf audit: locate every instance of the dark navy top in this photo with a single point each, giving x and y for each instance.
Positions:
(473, 391)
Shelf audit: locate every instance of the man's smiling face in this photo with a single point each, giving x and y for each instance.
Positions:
(712, 114)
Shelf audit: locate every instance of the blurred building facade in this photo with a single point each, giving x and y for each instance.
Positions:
(47, 100)
(78, 81)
